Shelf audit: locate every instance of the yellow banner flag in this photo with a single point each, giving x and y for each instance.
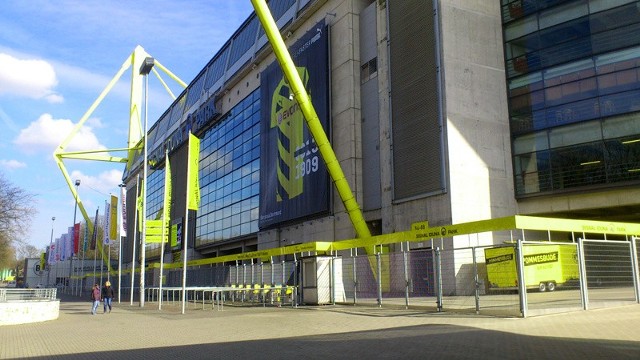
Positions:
(193, 182)
(42, 261)
(153, 231)
(113, 219)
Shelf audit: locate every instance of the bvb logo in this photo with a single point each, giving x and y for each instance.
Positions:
(37, 269)
(443, 231)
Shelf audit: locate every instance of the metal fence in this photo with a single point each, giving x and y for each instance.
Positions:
(19, 294)
(521, 278)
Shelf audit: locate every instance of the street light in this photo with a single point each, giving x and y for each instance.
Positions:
(53, 219)
(145, 69)
(75, 210)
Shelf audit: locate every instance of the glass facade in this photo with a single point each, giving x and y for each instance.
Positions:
(573, 80)
(155, 198)
(230, 175)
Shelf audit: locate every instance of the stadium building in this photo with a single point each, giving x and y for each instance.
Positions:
(441, 111)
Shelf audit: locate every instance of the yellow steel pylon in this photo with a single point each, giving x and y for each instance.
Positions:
(136, 131)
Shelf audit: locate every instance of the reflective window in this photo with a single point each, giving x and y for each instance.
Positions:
(155, 203)
(216, 67)
(591, 153)
(573, 74)
(229, 174)
(244, 40)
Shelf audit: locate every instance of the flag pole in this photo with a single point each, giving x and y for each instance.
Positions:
(120, 227)
(94, 240)
(165, 220)
(83, 250)
(134, 239)
(185, 232)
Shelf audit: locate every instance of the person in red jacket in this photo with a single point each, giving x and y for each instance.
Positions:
(96, 297)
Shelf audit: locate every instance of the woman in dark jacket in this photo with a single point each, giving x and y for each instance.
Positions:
(107, 295)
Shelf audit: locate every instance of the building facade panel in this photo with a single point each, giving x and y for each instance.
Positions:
(448, 111)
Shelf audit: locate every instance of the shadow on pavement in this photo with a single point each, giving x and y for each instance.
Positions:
(416, 342)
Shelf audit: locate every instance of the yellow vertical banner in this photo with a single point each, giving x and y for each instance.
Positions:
(166, 210)
(42, 255)
(113, 218)
(192, 175)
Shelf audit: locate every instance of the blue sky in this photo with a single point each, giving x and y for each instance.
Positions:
(56, 57)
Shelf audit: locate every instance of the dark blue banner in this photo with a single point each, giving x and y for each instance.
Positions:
(294, 182)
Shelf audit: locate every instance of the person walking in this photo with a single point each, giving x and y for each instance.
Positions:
(95, 296)
(107, 295)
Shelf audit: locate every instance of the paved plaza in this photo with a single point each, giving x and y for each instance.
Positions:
(325, 332)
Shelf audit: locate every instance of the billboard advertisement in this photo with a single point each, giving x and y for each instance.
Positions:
(294, 182)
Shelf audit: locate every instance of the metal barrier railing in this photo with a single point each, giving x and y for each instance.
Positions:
(18, 294)
(522, 278)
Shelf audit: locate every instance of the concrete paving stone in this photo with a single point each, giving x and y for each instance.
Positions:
(320, 332)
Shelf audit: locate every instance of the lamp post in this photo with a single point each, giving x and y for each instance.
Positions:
(75, 210)
(123, 188)
(145, 69)
(53, 219)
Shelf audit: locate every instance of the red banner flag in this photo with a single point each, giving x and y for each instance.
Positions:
(76, 237)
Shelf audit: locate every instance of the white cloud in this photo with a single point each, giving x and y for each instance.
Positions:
(11, 164)
(28, 78)
(47, 133)
(95, 123)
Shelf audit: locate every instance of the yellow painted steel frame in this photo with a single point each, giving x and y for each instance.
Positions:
(516, 222)
(315, 127)
(136, 132)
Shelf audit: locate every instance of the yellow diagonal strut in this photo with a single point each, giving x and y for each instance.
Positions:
(315, 127)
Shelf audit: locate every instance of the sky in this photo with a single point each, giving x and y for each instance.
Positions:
(57, 56)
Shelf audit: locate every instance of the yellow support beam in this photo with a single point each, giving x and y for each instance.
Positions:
(311, 117)
(136, 132)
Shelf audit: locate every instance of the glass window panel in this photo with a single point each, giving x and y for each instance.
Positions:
(623, 59)
(615, 39)
(623, 159)
(564, 52)
(523, 45)
(521, 28)
(575, 134)
(599, 5)
(215, 70)
(563, 13)
(622, 126)
(195, 90)
(619, 81)
(615, 18)
(573, 112)
(530, 143)
(524, 64)
(573, 91)
(568, 31)
(569, 72)
(620, 103)
(578, 165)
(526, 83)
(533, 172)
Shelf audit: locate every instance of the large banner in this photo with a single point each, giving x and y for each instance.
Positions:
(76, 238)
(113, 219)
(294, 182)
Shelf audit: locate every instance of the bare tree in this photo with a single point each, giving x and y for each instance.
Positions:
(16, 213)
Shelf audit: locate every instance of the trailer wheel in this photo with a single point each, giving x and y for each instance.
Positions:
(542, 287)
(551, 286)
